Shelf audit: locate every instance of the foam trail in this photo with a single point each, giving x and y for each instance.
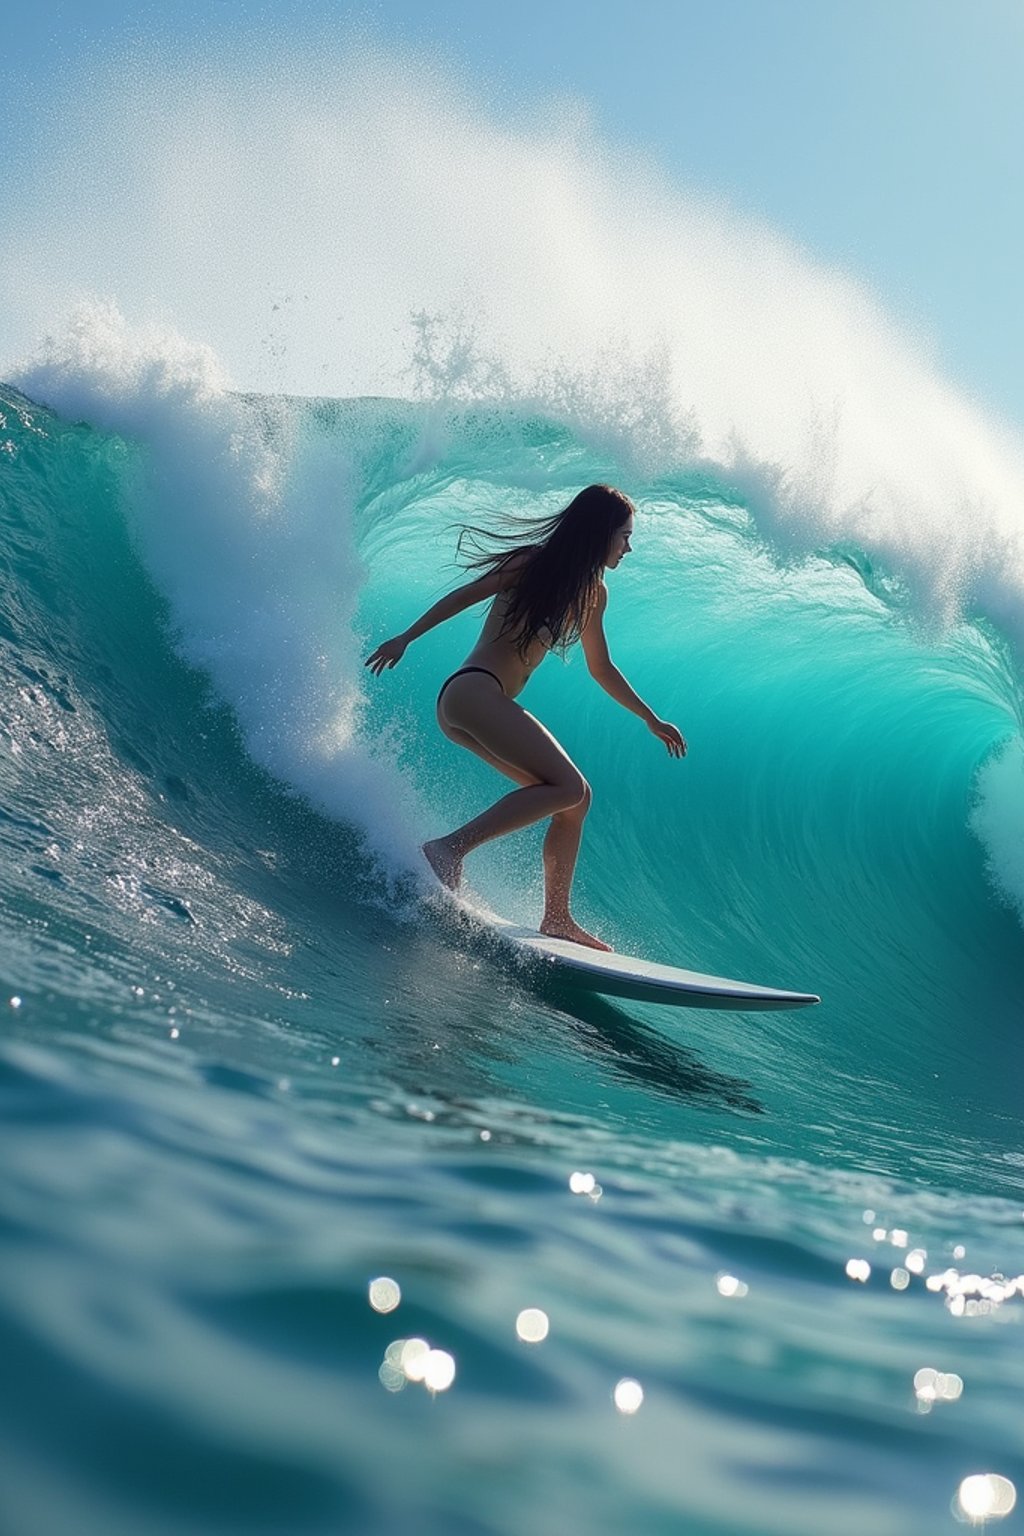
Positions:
(252, 546)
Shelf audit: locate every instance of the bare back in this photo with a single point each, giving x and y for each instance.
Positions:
(496, 649)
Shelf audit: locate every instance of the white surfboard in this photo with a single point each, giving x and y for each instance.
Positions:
(644, 981)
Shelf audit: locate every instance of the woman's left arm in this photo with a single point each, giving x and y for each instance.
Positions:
(604, 671)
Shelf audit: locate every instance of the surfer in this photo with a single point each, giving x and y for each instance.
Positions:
(546, 594)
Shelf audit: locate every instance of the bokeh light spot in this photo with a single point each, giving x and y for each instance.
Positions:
(628, 1395)
(985, 1496)
(414, 1359)
(532, 1325)
(385, 1294)
(438, 1370)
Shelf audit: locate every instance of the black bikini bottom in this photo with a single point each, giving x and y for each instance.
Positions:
(462, 672)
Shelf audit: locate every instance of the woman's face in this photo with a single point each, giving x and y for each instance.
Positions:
(620, 544)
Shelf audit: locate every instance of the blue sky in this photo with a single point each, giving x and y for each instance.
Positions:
(883, 136)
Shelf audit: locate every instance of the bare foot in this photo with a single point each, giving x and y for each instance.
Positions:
(446, 866)
(565, 928)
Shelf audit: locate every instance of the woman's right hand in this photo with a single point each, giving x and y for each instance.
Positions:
(387, 655)
(669, 734)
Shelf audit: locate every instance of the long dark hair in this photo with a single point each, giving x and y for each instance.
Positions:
(565, 556)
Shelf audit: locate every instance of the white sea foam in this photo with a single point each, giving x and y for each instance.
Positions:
(253, 548)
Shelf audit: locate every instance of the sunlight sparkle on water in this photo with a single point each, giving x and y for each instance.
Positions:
(414, 1360)
(984, 1496)
(966, 1295)
(439, 1372)
(975, 1295)
(391, 1375)
(585, 1184)
(532, 1325)
(385, 1294)
(728, 1285)
(628, 1395)
(932, 1386)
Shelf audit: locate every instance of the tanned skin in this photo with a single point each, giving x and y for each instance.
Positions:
(475, 713)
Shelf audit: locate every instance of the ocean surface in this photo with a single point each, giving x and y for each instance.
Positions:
(246, 1070)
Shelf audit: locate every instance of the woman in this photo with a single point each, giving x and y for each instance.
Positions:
(546, 595)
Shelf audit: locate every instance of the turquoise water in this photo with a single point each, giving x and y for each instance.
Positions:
(245, 1071)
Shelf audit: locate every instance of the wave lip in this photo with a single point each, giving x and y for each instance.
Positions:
(571, 273)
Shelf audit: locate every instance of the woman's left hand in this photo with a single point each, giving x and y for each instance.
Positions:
(670, 735)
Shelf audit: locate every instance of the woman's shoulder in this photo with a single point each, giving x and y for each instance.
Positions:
(516, 561)
(596, 603)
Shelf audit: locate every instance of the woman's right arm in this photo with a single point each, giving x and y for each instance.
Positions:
(390, 653)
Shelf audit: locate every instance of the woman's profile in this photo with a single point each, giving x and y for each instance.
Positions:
(547, 593)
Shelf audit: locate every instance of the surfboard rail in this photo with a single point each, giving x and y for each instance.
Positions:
(627, 976)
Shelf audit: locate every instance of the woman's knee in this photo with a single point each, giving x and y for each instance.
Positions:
(577, 793)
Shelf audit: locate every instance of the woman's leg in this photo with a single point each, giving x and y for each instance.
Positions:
(561, 850)
(504, 735)
(561, 844)
(475, 706)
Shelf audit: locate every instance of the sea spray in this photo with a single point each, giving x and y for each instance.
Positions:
(393, 191)
(247, 531)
